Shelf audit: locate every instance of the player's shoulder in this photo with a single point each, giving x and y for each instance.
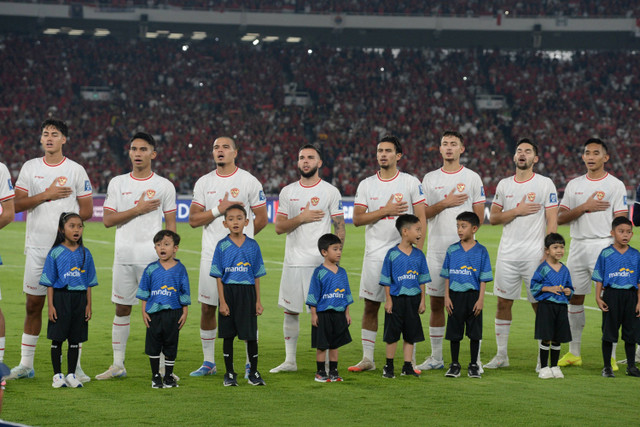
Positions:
(433, 174)
(405, 176)
(613, 180)
(471, 174)
(245, 174)
(3, 168)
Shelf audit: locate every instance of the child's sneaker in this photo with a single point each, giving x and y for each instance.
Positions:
(545, 373)
(73, 381)
(58, 381)
(408, 370)
(633, 371)
(169, 381)
(473, 371)
(322, 377)
(207, 368)
(156, 381)
(230, 379)
(607, 372)
(255, 378)
(557, 372)
(387, 372)
(453, 371)
(334, 376)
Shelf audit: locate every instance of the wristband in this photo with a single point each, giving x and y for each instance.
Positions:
(216, 212)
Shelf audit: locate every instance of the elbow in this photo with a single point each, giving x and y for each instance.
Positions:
(279, 230)
(192, 223)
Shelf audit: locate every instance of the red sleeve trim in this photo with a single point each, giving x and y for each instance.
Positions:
(22, 189)
(498, 204)
(360, 204)
(481, 201)
(172, 210)
(551, 207)
(109, 209)
(624, 210)
(196, 203)
(259, 206)
(566, 207)
(419, 201)
(86, 195)
(283, 214)
(338, 214)
(8, 198)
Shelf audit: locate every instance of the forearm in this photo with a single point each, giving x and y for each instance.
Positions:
(287, 225)
(598, 294)
(551, 216)
(8, 213)
(432, 210)
(257, 285)
(366, 218)
(170, 221)
(198, 219)
(339, 228)
(261, 219)
(565, 215)
(89, 298)
(24, 202)
(221, 298)
(50, 296)
(143, 305)
(113, 218)
(418, 210)
(502, 217)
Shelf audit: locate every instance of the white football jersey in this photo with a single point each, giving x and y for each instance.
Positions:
(209, 191)
(437, 184)
(34, 178)
(301, 248)
(134, 239)
(594, 225)
(373, 193)
(523, 238)
(6, 186)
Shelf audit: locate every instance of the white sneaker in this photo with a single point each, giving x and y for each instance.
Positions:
(431, 363)
(58, 381)
(545, 373)
(161, 370)
(112, 372)
(557, 372)
(497, 362)
(19, 372)
(538, 367)
(285, 367)
(363, 365)
(81, 376)
(72, 381)
(480, 368)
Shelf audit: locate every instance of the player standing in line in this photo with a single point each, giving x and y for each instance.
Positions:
(212, 195)
(527, 205)
(449, 191)
(306, 210)
(379, 200)
(7, 195)
(46, 187)
(636, 222)
(135, 204)
(590, 203)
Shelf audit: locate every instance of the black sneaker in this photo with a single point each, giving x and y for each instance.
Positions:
(170, 381)
(454, 371)
(156, 381)
(255, 378)
(322, 377)
(230, 379)
(334, 376)
(387, 372)
(473, 371)
(633, 371)
(408, 370)
(607, 372)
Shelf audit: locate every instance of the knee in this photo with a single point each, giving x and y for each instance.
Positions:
(34, 306)
(371, 308)
(123, 310)
(208, 311)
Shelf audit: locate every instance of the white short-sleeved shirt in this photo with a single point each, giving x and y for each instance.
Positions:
(6, 186)
(373, 193)
(594, 225)
(209, 191)
(34, 178)
(437, 185)
(301, 248)
(523, 238)
(134, 239)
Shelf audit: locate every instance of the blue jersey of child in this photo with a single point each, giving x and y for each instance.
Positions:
(466, 269)
(545, 276)
(404, 273)
(329, 290)
(237, 265)
(616, 270)
(64, 268)
(164, 289)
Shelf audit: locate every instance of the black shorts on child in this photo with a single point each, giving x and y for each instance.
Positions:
(242, 320)
(622, 312)
(462, 315)
(71, 323)
(404, 320)
(552, 322)
(163, 333)
(332, 330)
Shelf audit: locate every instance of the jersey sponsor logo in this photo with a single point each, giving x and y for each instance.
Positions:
(150, 194)
(164, 290)
(398, 197)
(460, 187)
(315, 201)
(10, 184)
(87, 185)
(74, 272)
(410, 275)
(337, 293)
(241, 267)
(623, 272)
(421, 191)
(438, 187)
(38, 177)
(465, 270)
(482, 191)
(261, 196)
(531, 196)
(62, 180)
(599, 195)
(126, 193)
(553, 198)
(234, 192)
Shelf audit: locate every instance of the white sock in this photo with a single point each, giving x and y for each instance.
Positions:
(413, 355)
(539, 347)
(502, 336)
(119, 338)
(436, 335)
(576, 324)
(208, 338)
(291, 330)
(78, 367)
(2, 341)
(637, 353)
(28, 350)
(613, 350)
(368, 343)
(479, 351)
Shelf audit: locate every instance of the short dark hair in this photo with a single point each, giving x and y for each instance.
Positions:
(469, 217)
(233, 141)
(528, 141)
(311, 147)
(620, 220)
(596, 141)
(406, 221)
(327, 240)
(58, 124)
(553, 239)
(167, 233)
(235, 206)
(145, 137)
(451, 132)
(394, 140)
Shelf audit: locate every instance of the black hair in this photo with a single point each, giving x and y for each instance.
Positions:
(469, 217)
(553, 239)
(233, 141)
(530, 142)
(167, 233)
(311, 147)
(596, 141)
(394, 140)
(620, 220)
(235, 206)
(327, 240)
(451, 132)
(406, 221)
(64, 217)
(145, 137)
(58, 124)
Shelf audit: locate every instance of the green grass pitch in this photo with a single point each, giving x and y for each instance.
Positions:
(511, 396)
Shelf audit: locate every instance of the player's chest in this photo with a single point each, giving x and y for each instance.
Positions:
(235, 192)
(529, 193)
(41, 180)
(588, 189)
(316, 200)
(441, 189)
(381, 195)
(130, 193)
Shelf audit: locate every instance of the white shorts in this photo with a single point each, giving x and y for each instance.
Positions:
(509, 277)
(294, 288)
(33, 265)
(583, 255)
(124, 286)
(370, 280)
(207, 285)
(434, 263)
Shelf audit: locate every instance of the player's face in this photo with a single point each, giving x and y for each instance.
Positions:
(594, 157)
(52, 140)
(224, 152)
(414, 233)
(555, 251)
(387, 156)
(308, 162)
(334, 253)
(73, 230)
(466, 230)
(451, 148)
(622, 234)
(141, 153)
(166, 249)
(235, 220)
(525, 156)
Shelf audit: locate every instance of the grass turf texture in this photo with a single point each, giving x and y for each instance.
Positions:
(509, 396)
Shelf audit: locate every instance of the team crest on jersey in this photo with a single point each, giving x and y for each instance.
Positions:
(150, 194)
(315, 201)
(460, 187)
(599, 195)
(62, 180)
(531, 196)
(234, 192)
(398, 197)
(553, 198)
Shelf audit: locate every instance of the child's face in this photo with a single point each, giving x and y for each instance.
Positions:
(166, 249)
(235, 220)
(622, 234)
(333, 253)
(466, 230)
(555, 251)
(73, 229)
(413, 233)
